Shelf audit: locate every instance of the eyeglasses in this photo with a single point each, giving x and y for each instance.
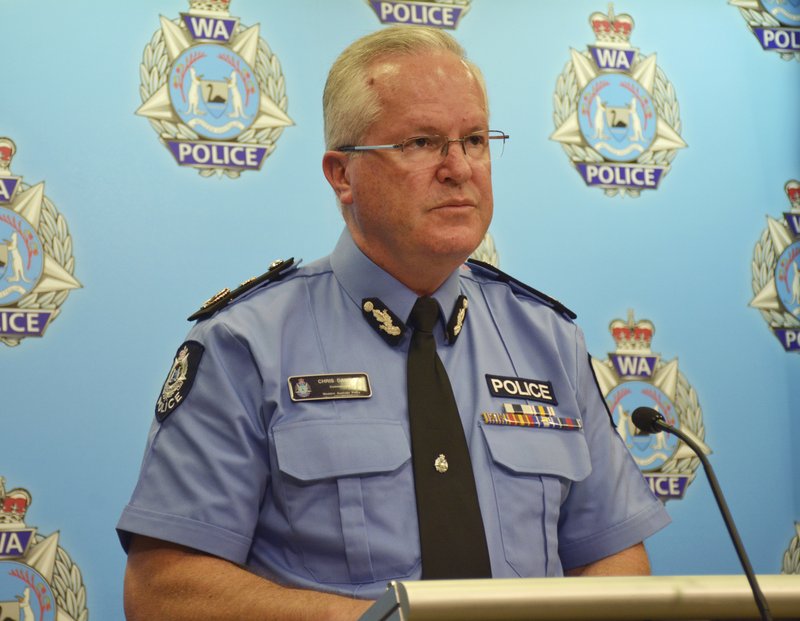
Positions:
(430, 150)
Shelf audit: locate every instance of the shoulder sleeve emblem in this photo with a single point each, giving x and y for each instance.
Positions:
(179, 379)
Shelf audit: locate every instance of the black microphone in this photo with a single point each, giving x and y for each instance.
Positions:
(649, 421)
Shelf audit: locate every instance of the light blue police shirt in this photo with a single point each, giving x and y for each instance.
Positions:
(320, 493)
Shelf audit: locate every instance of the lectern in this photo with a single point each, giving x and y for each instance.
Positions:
(614, 598)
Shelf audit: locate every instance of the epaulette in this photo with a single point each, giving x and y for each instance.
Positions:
(503, 277)
(226, 296)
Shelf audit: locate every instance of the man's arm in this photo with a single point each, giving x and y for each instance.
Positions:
(629, 562)
(169, 582)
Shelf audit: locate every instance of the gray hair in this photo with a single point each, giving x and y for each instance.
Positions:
(349, 105)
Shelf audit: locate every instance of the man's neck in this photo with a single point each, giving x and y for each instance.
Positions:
(423, 276)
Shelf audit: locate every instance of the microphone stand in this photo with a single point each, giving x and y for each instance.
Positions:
(761, 601)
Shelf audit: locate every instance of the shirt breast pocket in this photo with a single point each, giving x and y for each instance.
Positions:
(348, 490)
(532, 471)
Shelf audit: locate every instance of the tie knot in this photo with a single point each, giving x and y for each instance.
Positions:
(424, 314)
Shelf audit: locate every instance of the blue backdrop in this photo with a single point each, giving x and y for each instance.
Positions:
(152, 240)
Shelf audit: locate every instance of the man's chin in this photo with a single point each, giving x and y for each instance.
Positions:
(455, 248)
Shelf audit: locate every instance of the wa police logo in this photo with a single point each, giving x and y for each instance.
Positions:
(213, 91)
(435, 13)
(38, 580)
(36, 262)
(776, 273)
(634, 376)
(615, 113)
(775, 23)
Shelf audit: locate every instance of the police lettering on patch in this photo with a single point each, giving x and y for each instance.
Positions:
(180, 379)
(329, 386)
(521, 388)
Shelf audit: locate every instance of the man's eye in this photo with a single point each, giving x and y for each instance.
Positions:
(475, 140)
(420, 142)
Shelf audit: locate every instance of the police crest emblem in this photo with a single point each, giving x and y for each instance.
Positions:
(775, 23)
(776, 272)
(635, 376)
(38, 579)
(213, 91)
(36, 262)
(433, 13)
(615, 112)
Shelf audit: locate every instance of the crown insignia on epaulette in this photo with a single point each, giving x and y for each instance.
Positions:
(630, 336)
(610, 28)
(13, 505)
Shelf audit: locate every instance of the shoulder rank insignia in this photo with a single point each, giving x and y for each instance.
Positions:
(226, 296)
(385, 322)
(503, 277)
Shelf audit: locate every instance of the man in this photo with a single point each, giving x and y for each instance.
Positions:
(278, 480)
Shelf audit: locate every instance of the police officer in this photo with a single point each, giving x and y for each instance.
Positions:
(280, 473)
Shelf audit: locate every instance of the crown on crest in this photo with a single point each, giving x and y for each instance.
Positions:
(209, 6)
(793, 192)
(13, 505)
(611, 28)
(7, 151)
(630, 336)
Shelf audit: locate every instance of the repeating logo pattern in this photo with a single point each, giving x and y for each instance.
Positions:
(38, 580)
(776, 272)
(36, 262)
(634, 376)
(775, 23)
(615, 112)
(213, 91)
(434, 13)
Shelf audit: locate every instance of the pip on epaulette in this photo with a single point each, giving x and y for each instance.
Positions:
(226, 296)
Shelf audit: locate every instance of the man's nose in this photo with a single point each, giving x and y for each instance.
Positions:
(456, 165)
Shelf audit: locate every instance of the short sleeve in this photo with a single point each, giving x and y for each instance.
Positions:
(613, 508)
(206, 466)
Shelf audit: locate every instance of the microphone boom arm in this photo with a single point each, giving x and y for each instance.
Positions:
(723, 507)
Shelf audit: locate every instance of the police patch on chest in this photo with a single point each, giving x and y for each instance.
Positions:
(521, 388)
(332, 386)
(180, 378)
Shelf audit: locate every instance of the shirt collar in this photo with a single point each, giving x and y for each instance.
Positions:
(361, 278)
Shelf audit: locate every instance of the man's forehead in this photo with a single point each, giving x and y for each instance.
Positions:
(430, 64)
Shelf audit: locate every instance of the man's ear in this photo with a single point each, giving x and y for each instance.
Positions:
(334, 166)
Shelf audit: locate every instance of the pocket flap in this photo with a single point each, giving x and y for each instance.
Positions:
(539, 451)
(310, 451)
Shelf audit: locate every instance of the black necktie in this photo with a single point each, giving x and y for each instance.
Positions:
(450, 525)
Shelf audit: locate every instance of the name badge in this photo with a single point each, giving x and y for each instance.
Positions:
(521, 388)
(333, 386)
